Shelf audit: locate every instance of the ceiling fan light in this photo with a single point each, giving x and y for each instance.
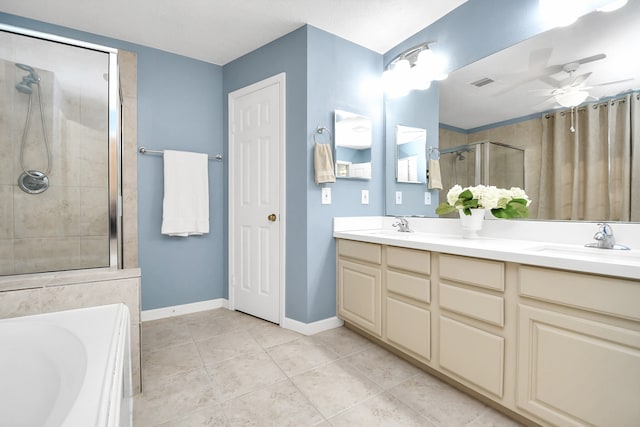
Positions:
(572, 99)
(559, 13)
(614, 5)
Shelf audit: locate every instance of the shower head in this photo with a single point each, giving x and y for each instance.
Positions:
(460, 156)
(25, 85)
(25, 88)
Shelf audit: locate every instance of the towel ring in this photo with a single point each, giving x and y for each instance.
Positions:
(320, 130)
(433, 150)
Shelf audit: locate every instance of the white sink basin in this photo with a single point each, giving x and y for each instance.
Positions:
(581, 251)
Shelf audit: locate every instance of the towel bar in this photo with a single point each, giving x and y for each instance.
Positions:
(143, 150)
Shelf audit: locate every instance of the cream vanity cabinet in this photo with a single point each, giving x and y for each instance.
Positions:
(578, 348)
(471, 337)
(360, 284)
(556, 347)
(407, 294)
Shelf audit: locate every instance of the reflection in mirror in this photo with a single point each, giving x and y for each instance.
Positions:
(411, 155)
(353, 145)
(582, 160)
(484, 162)
(59, 131)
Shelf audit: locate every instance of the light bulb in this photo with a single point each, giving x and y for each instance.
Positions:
(572, 98)
(614, 5)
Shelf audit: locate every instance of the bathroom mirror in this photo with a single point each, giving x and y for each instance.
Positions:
(508, 95)
(411, 155)
(353, 145)
(60, 110)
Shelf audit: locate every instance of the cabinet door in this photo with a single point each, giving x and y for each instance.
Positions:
(472, 354)
(360, 295)
(409, 327)
(573, 371)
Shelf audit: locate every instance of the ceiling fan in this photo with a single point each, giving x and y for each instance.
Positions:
(573, 90)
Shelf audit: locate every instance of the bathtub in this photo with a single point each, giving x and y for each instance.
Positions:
(69, 368)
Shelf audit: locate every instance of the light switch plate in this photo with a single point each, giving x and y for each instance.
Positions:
(365, 197)
(398, 197)
(427, 197)
(326, 195)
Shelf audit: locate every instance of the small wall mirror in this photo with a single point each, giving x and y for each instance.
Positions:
(411, 155)
(353, 145)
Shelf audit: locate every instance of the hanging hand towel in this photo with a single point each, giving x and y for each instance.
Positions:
(435, 180)
(323, 163)
(185, 208)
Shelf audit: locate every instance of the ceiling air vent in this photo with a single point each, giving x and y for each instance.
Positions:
(482, 82)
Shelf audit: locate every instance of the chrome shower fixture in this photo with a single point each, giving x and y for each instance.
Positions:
(32, 181)
(25, 85)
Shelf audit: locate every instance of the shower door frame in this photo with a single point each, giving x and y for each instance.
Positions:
(114, 134)
(481, 151)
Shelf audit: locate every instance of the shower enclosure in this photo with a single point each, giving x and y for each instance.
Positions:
(483, 162)
(59, 154)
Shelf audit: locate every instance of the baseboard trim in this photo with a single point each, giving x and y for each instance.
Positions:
(313, 327)
(178, 310)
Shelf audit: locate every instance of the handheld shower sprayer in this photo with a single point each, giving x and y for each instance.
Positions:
(25, 85)
(32, 181)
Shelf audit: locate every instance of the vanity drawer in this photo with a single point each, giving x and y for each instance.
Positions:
(369, 252)
(488, 308)
(618, 297)
(409, 259)
(472, 271)
(408, 285)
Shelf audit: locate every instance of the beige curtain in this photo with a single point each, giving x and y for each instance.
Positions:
(586, 173)
(635, 157)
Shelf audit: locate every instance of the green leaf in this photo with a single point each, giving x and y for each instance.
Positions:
(445, 208)
(466, 195)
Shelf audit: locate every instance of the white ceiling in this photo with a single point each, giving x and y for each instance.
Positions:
(520, 71)
(219, 31)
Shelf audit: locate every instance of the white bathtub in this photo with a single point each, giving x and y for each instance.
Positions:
(69, 368)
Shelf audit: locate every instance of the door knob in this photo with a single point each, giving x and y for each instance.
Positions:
(272, 217)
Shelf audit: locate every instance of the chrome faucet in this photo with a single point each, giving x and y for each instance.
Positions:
(402, 224)
(604, 238)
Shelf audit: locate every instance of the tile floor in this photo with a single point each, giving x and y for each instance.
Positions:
(225, 368)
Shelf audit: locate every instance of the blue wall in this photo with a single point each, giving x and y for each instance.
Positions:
(341, 76)
(179, 107)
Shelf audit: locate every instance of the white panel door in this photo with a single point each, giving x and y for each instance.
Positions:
(256, 177)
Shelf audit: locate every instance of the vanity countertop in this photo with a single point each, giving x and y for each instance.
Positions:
(618, 263)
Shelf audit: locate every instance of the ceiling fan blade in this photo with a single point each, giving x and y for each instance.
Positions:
(580, 79)
(591, 58)
(546, 105)
(539, 58)
(614, 82)
(551, 81)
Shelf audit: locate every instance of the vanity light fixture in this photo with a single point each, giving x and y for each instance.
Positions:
(561, 13)
(614, 5)
(414, 69)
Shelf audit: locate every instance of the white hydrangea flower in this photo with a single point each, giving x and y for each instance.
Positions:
(518, 193)
(453, 194)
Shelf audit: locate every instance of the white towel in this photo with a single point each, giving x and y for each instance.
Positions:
(185, 208)
(323, 163)
(435, 180)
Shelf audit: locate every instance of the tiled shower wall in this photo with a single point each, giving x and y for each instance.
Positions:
(67, 226)
(47, 292)
(525, 135)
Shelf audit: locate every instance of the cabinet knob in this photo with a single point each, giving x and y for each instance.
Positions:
(272, 217)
